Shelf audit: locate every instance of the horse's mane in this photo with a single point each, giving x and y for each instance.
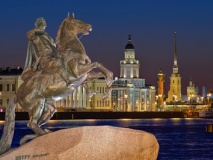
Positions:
(61, 32)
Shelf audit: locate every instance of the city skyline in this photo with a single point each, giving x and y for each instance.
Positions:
(151, 24)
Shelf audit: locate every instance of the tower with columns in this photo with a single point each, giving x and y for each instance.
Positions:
(129, 67)
(129, 92)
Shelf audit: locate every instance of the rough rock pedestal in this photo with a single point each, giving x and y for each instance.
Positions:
(89, 143)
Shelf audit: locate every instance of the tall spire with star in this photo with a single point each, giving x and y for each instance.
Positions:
(174, 93)
(175, 66)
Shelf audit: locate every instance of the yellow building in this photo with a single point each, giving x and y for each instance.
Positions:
(96, 102)
(191, 91)
(9, 82)
(75, 101)
(174, 93)
(80, 101)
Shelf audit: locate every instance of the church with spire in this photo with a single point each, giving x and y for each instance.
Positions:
(129, 92)
(174, 93)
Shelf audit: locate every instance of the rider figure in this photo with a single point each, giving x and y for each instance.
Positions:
(42, 53)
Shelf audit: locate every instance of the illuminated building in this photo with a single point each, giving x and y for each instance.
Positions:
(9, 82)
(96, 102)
(160, 95)
(174, 93)
(129, 92)
(191, 90)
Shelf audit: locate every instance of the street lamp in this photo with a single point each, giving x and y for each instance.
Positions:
(156, 101)
(125, 98)
(208, 97)
(191, 102)
(202, 100)
(160, 101)
(164, 105)
(174, 98)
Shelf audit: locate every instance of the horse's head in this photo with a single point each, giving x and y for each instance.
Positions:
(72, 27)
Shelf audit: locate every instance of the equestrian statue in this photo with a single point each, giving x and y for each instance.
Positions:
(53, 71)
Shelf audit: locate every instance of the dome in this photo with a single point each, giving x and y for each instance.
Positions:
(129, 44)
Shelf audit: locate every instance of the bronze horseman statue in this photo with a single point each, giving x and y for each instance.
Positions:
(52, 73)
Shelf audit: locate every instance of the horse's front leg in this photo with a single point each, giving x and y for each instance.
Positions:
(82, 68)
(79, 69)
(92, 76)
(108, 74)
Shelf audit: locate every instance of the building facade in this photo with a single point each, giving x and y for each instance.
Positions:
(129, 92)
(9, 82)
(96, 102)
(80, 101)
(191, 91)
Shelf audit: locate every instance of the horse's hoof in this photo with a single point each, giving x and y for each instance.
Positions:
(104, 97)
(91, 93)
(47, 130)
(28, 137)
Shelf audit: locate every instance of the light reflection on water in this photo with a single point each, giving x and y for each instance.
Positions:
(179, 138)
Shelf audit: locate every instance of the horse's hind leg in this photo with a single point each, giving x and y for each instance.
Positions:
(35, 116)
(40, 114)
(48, 112)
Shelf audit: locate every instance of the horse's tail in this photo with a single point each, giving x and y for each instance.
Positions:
(9, 125)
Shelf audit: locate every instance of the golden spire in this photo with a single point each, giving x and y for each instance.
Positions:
(175, 49)
(175, 67)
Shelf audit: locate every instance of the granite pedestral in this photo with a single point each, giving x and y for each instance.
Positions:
(89, 143)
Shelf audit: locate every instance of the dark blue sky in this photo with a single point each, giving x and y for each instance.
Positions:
(150, 22)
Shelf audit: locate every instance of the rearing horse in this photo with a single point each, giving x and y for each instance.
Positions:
(38, 93)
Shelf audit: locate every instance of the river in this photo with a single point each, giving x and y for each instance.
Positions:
(179, 138)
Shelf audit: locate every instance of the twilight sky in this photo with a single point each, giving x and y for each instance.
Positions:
(150, 22)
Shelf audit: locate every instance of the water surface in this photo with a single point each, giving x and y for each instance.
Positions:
(179, 138)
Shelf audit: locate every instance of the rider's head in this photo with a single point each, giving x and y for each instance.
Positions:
(40, 23)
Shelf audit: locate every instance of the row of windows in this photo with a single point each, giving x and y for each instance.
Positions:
(177, 81)
(9, 87)
(103, 104)
(101, 89)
